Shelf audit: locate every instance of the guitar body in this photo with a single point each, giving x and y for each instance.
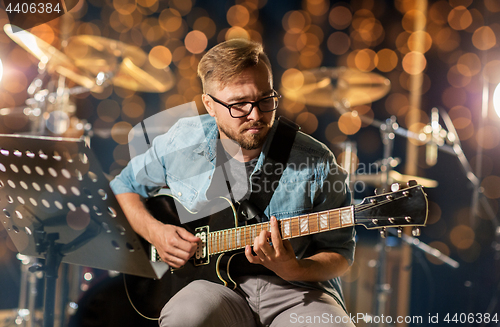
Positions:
(150, 295)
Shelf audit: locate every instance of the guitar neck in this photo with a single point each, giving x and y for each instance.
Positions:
(237, 238)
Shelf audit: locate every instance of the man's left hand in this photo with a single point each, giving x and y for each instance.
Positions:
(278, 256)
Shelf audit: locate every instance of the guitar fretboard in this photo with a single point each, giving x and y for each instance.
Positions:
(239, 237)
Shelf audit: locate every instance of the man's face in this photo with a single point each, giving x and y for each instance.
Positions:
(249, 132)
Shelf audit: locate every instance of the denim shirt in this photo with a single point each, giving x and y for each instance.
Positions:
(184, 160)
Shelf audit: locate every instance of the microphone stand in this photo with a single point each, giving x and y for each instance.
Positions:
(382, 288)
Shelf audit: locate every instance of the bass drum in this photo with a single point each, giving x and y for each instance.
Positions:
(106, 303)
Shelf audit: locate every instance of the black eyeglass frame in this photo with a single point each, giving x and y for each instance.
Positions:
(253, 103)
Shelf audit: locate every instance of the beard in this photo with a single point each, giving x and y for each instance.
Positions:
(246, 140)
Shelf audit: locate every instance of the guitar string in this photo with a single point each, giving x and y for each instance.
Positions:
(222, 242)
(295, 223)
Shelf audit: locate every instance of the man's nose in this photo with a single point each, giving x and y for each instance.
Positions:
(255, 114)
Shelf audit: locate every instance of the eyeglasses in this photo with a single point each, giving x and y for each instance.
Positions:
(243, 109)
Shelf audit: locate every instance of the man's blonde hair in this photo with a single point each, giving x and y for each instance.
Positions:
(224, 62)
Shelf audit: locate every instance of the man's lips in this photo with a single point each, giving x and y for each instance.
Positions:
(254, 129)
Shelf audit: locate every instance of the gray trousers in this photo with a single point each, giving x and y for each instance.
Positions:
(258, 301)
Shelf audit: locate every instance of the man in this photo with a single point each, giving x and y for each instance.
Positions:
(298, 281)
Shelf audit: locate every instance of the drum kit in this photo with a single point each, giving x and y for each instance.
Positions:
(343, 89)
(87, 63)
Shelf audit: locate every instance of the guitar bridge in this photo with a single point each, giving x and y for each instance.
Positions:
(201, 256)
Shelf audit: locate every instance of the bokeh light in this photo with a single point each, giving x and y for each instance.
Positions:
(160, 57)
(459, 18)
(238, 15)
(340, 17)
(386, 60)
(484, 38)
(349, 123)
(414, 63)
(440, 246)
(307, 121)
(196, 42)
(496, 99)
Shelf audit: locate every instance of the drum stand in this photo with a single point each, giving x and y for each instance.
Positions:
(55, 203)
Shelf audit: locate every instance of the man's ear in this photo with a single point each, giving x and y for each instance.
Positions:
(208, 103)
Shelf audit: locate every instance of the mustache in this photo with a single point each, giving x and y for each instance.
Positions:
(252, 125)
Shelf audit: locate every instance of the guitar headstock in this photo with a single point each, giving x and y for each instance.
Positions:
(399, 208)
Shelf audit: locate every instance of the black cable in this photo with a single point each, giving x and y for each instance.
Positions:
(132, 304)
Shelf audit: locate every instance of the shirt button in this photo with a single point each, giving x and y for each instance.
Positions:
(179, 193)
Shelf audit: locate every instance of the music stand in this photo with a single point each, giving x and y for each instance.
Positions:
(56, 203)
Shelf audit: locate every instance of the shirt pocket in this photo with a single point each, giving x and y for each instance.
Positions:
(293, 195)
(185, 193)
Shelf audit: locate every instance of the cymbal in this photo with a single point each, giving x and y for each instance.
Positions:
(124, 65)
(334, 87)
(55, 60)
(377, 180)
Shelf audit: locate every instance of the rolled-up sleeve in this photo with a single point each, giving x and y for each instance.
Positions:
(144, 174)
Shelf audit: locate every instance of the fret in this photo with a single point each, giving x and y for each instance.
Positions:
(346, 217)
(215, 243)
(286, 228)
(212, 242)
(304, 225)
(218, 242)
(313, 223)
(292, 226)
(323, 221)
(335, 219)
(223, 240)
(209, 243)
(328, 220)
(331, 219)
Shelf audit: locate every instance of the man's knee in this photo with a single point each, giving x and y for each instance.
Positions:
(202, 303)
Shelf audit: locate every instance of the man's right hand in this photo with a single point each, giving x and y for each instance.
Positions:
(174, 244)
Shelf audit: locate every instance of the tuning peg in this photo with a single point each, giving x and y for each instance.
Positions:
(412, 183)
(383, 233)
(395, 187)
(400, 232)
(415, 231)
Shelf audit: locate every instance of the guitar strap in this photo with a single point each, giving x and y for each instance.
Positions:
(272, 168)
